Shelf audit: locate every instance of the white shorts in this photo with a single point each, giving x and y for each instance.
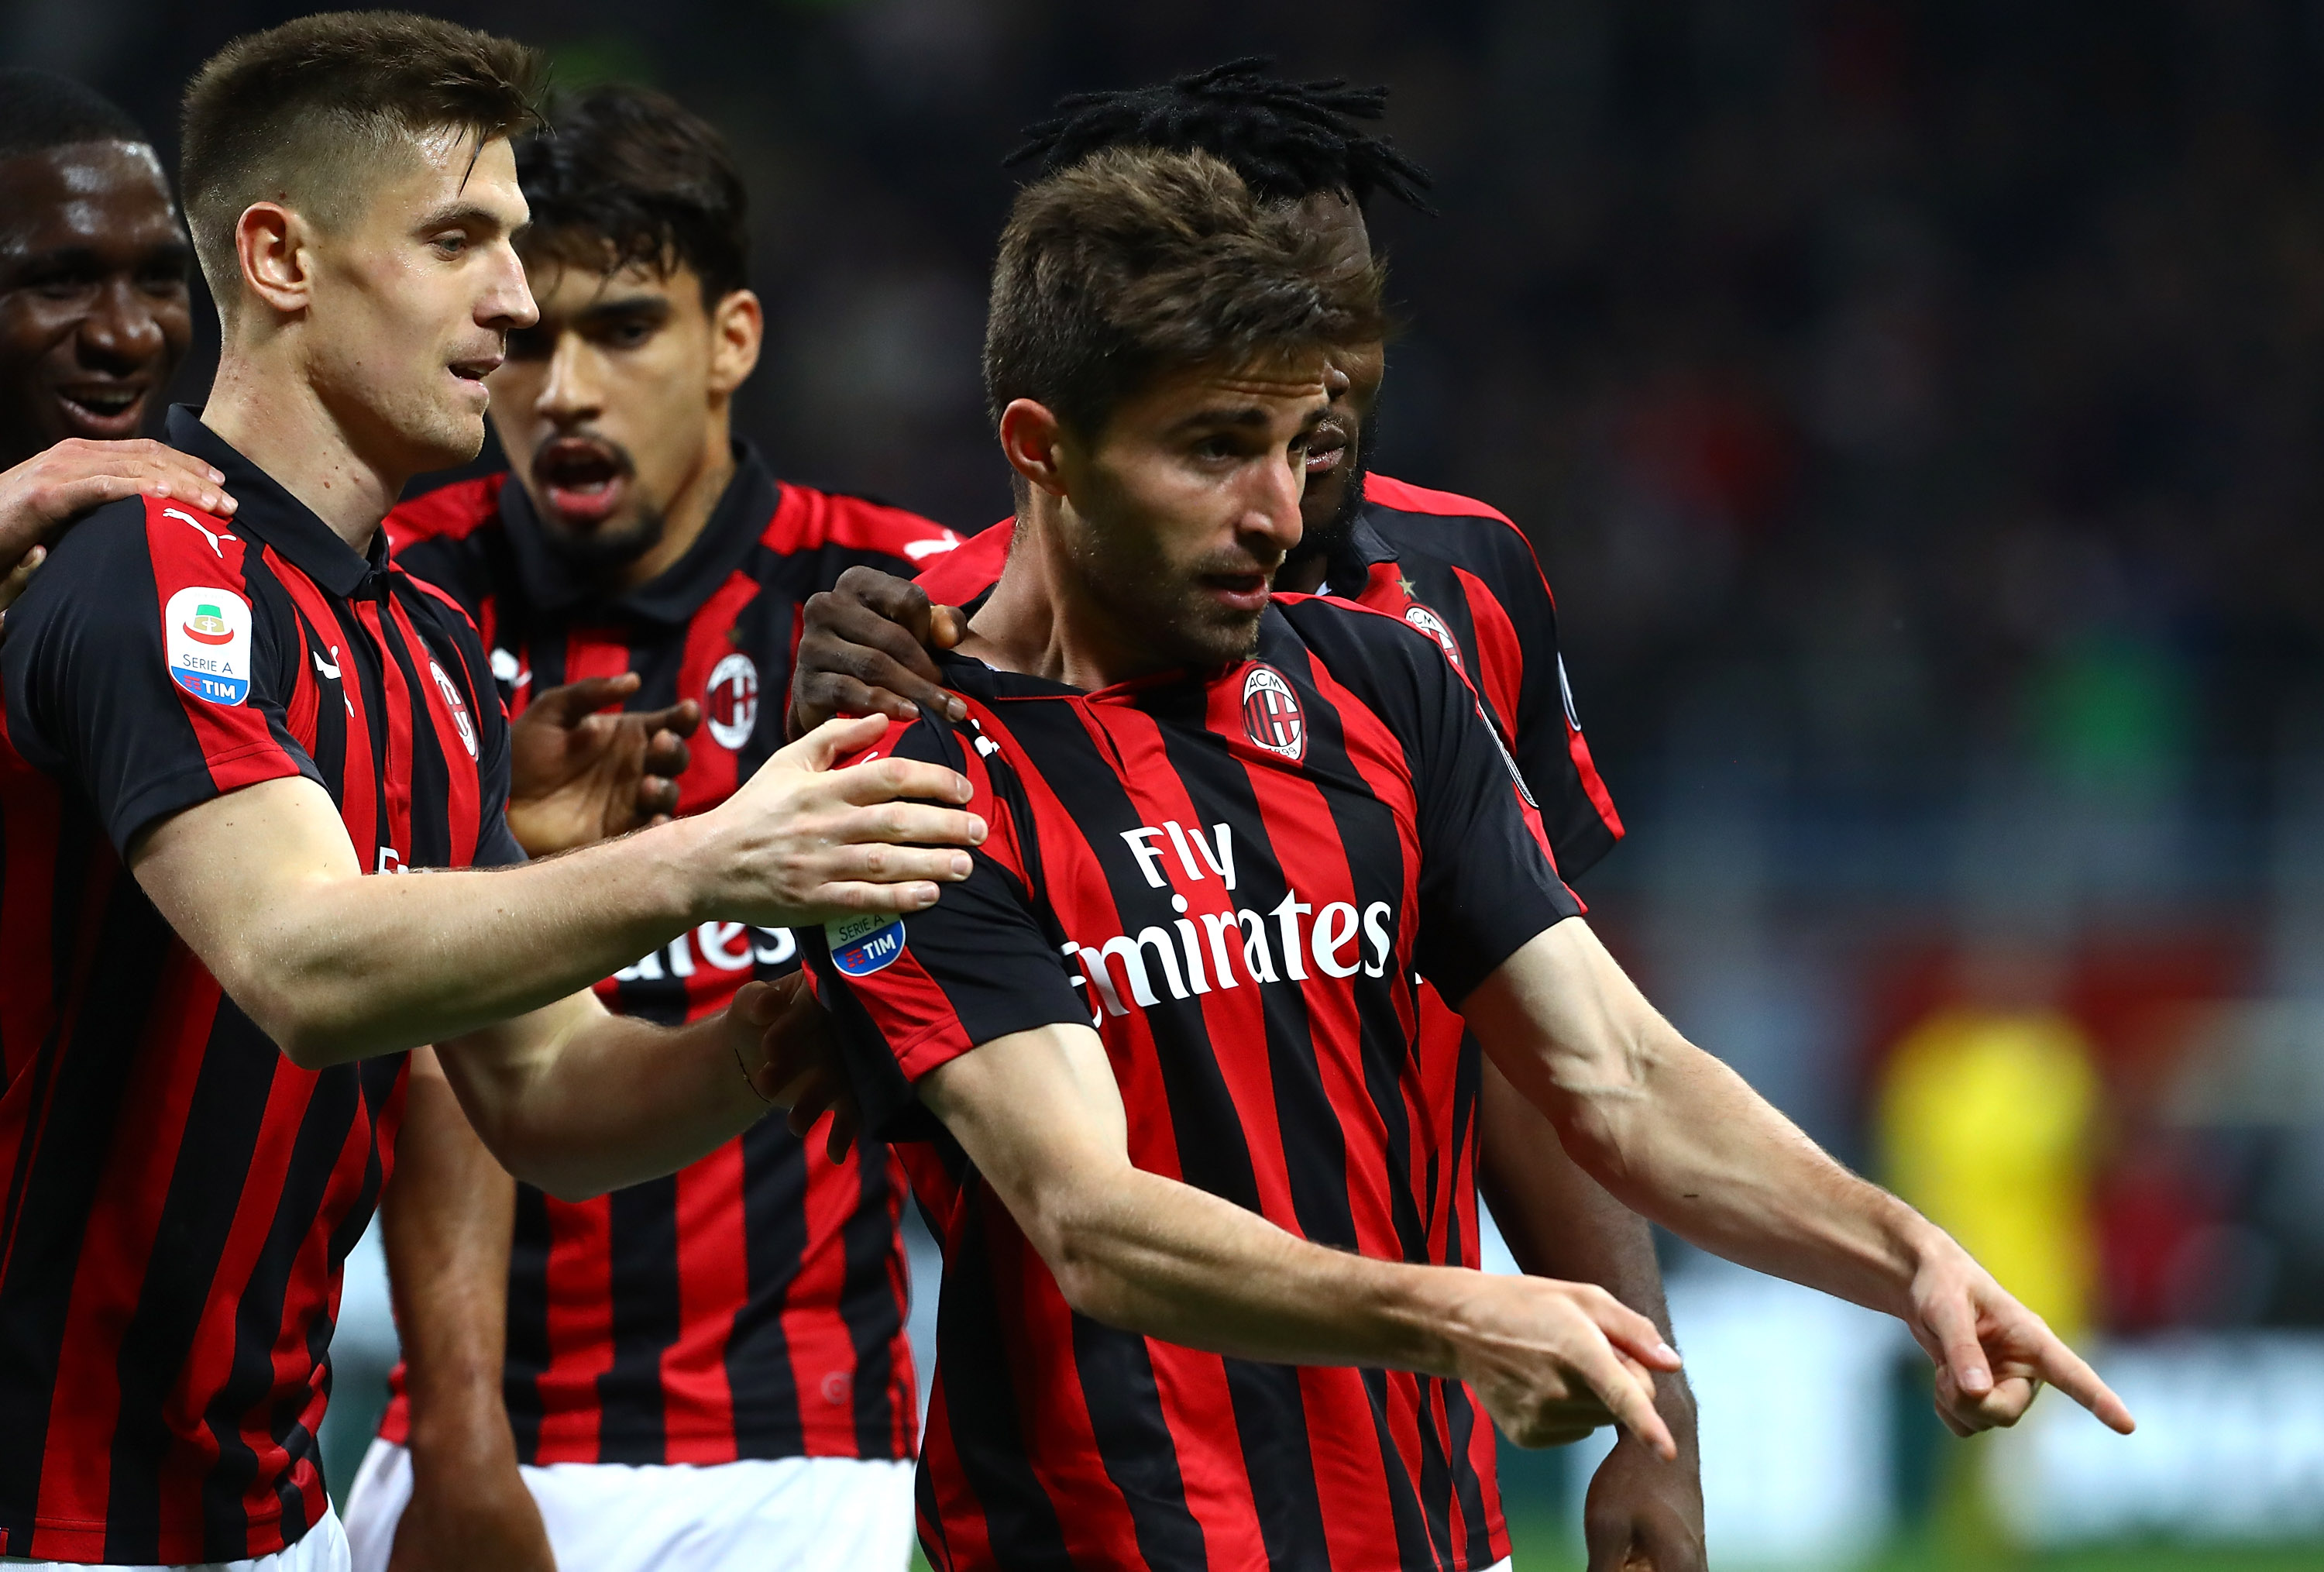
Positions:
(788, 1514)
(323, 1549)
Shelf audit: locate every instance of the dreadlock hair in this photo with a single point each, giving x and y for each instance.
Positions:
(1288, 140)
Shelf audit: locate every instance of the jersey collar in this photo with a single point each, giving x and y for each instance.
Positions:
(1352, 562)
(966, 674)
(275, 517)
(678, 591)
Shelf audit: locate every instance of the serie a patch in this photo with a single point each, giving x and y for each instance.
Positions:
(207, 635)
(861, 946)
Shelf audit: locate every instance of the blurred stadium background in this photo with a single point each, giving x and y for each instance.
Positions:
(1920, 411)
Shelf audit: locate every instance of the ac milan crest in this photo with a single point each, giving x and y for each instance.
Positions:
(1271, 713)
(1429, 622)
(730, 704)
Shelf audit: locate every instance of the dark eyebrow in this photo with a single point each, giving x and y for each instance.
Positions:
(473, 214)
(654, 306)
(1246, 415)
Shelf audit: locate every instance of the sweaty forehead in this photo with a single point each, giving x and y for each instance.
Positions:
(91, 194)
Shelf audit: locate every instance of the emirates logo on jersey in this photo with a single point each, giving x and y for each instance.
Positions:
(456, 704)
(1429, 622)
(730, 704)
(1271, 713)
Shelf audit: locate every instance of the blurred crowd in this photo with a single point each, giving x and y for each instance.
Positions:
(1917, 409)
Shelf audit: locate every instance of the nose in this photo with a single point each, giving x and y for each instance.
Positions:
(569, 393)
(1271, 519)
(1336, 383)
(508, 300)
(120, 332)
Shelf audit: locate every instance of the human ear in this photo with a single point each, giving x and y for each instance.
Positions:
(269, 242)
(1030, 434)
(738, 327)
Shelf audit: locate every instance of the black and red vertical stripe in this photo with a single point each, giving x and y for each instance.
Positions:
(752, 1305)
(180, 1196)
(1239, 904)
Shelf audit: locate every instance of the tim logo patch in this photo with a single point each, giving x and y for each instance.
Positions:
(1271, 715)
(861, 946)
(206, 632)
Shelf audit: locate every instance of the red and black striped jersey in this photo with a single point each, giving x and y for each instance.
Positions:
(1235, 878)
(180, 1195)
(1462, 572)
(752, 1305)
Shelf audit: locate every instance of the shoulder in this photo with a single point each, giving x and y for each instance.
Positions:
(1338, 630)
(1378, 659)
(1403, 496)
(449, 514)
(142, 543)
(1456, 529)
(808, 520)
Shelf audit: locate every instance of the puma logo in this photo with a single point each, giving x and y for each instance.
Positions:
(213, 536)
(330, 669)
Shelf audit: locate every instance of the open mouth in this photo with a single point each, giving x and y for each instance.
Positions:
(581, 479)
(474, 371)
(1242, 592)
(107, 410)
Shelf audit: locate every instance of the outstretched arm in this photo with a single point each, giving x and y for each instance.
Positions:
(264, 886)
(579, 1101)
(1040, 1116)
(1681, 1138)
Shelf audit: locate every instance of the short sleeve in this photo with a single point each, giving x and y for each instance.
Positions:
(1515, 611)
(148, 671)
(910, 994)
(1488, 882)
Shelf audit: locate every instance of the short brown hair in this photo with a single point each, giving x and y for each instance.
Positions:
(294, 114)
(1135, 263)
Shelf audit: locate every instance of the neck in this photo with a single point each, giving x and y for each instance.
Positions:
(1303, 575)
(689, 510)
(278, 422)
(1041, 619)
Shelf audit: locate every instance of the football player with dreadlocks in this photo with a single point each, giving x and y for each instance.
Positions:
(1456, 568)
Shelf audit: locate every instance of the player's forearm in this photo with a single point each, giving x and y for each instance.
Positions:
(446, 1220)
(355, 967)
(1676, 1135)
(605, 1102)
(1710, 1159)
(1152, 1255)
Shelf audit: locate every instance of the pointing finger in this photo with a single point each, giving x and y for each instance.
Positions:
(2065, 1369)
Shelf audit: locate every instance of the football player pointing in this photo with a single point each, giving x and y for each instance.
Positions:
(1192, 1138)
